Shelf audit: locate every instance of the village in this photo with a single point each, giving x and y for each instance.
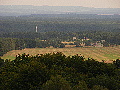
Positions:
(86, 42)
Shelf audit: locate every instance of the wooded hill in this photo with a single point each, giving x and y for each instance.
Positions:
(17, 10)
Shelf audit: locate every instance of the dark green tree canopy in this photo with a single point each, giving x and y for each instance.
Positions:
(55, 71)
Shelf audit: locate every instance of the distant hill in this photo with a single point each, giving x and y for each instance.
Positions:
(17, 10)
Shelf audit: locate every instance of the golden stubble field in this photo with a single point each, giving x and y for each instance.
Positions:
(102, 53)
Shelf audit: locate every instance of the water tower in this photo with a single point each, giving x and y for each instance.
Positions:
(36, 29)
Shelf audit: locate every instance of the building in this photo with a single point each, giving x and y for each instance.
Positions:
(97, 44)
(74, 38)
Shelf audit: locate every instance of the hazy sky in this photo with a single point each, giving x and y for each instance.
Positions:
(86, 3)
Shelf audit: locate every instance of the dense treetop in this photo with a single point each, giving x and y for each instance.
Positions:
(55, 71)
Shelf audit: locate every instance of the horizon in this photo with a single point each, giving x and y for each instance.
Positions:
(63, 6)
(81, 3)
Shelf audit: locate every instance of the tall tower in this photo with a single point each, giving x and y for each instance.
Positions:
(36, 29)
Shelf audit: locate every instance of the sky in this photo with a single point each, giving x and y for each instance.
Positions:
(84, 3)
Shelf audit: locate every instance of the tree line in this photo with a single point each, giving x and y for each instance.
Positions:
(8, 44)
(21, 40)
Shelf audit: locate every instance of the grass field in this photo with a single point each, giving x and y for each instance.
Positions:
(103, 53)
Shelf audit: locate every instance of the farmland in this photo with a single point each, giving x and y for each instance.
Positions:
(82, 51)
(103, 53)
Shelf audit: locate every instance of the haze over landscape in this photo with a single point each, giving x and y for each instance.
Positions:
(28, 7)
(60, 44)
(84, 3)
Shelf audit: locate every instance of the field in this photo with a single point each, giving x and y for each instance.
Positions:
(102, 53)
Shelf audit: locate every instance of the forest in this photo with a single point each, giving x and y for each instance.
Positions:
(19, 32)
(22, 40)
(55, 71)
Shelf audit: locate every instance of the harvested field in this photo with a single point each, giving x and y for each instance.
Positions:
(102, 53)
